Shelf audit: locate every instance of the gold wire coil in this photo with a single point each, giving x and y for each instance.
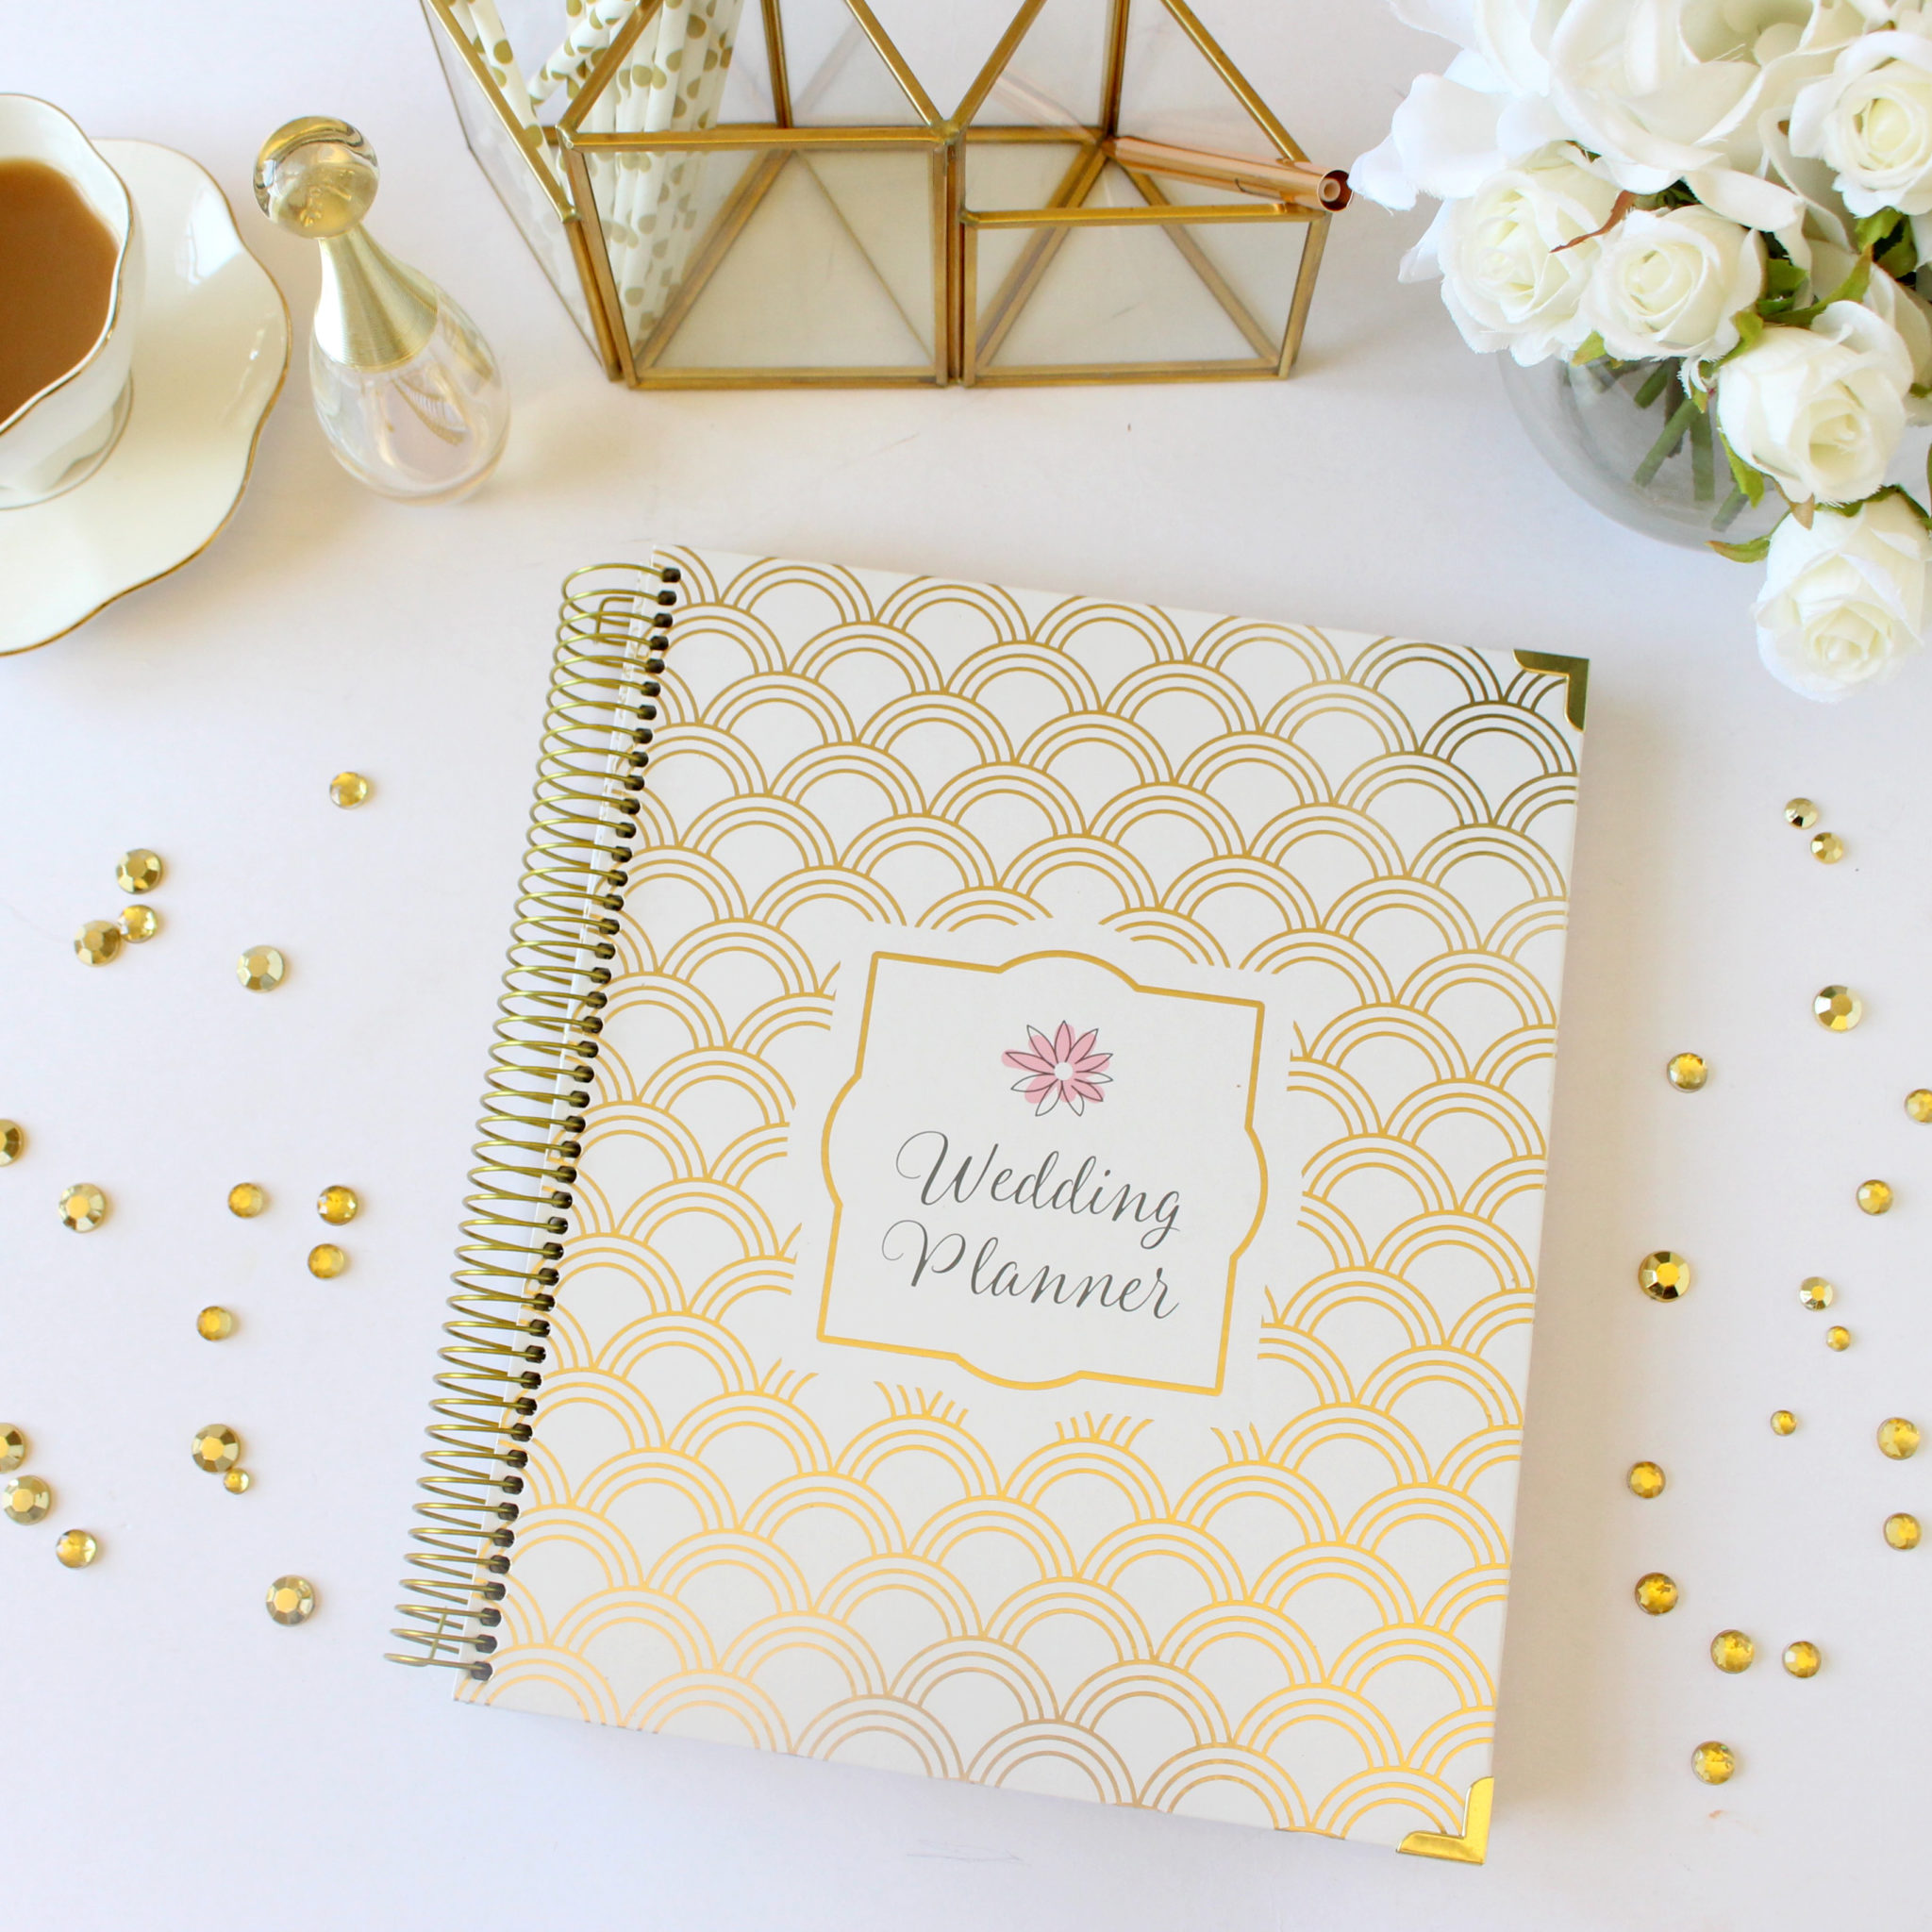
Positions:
(611, 634)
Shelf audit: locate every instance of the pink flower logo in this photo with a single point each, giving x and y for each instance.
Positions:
(1059, 1070)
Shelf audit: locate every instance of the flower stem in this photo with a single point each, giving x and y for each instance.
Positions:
(1703, 465)
(1727, 510)
(1666, 445)
(1655, 383)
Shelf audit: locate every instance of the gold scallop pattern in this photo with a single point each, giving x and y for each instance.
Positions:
(1292, 1625)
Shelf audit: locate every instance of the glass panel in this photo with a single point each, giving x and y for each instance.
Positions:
(509, 169)
(770, 259)
(1058, 73)
(1170, 90)
(838, 78)
(1145, 295)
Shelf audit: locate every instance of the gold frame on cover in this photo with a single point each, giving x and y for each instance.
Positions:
(559, 210)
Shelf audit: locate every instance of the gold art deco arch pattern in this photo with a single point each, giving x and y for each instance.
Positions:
(1291, 1620)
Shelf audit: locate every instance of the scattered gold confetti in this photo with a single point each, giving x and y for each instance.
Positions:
(1645, 1480)
(237, 1481)
(1688, 1071)
(1713, 1762)
(338, 1204)
(1838, 1009)
(138, 924)
(1816, 1292)
(97, 941)
(326, 1261)
(1731, 1651)
(140, 870)
(28, 1499)
(1827, 848)
(246, 1199)
(292, 1599)
(12, 1142)
(348, 789)
(1782, 1422)
(216, 1448)
(214, 1324)
(1802, 1659)
(1897, 1437)
(1664, 1276)
(261, 969)
(12, 1447)
(1655, 1594)
(1875, 1198)
(83, 1206)
(76, 1549)
(1918, 1103)
(1801, 812)
(1901, 1531)
(1837, 1339)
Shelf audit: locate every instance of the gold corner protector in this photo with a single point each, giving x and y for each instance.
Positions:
(1473, 1844)
(1576, 669)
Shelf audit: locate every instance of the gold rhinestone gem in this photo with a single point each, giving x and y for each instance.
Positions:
(246, 1199)
(1827, 848)
(1645, 1480)
(76, 1549)
(1664, 1276)
(12, 1142)
(1782, 1422)
(214, 1324)
(216, 1448)
(348, 789)
(1655, 1594)
(1901, 1531)
(12, 1447)
(260, 968)
(1802, 1659)
(1838, 1009)
(97, 941)
(237, 1481)
(1816, 1292)
(140, 870)
(1801, 812)
(1686, 1072)
(1713, 1762)
(338, 1204)
(28, 1499)
(326, 1261)
(1732, 1651)
(1919, 1103)
(1837, 1339)
(138, 924)
(83, 1206)
(292, 1599)
(1898, 1438)
(1875, 1198)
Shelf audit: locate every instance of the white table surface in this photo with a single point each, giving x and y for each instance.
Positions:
(174, 1759)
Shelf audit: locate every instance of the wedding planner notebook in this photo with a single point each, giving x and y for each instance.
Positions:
(1006, 1230)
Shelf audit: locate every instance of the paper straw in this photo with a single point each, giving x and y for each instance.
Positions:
(479, 21)
(594, 32)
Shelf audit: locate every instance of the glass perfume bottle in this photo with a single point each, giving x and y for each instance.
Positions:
(406, 390)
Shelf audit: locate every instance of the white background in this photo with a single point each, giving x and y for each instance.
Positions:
(175, 1759)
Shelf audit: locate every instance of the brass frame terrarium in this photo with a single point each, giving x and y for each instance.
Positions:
(1083, 229)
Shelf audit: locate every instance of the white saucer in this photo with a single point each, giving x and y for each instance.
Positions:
(208, 363)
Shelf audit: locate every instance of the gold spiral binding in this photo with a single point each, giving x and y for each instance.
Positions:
(611, 635)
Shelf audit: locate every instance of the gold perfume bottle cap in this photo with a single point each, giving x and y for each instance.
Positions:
(317, 177)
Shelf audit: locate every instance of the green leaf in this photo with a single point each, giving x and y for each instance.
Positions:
(1900, 260)
(1588, 349)
(1871, 229)
(1783, 277)
(1749, 481)
(1753, 552)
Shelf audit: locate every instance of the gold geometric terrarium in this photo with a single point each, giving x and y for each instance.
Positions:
(761, 193)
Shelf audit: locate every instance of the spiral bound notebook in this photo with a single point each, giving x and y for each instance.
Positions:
(1006, 1223)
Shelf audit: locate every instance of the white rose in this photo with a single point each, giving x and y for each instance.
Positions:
(1668, 283)
(1905, 310)
(1821, 410)
(1506, 278)
(1844, 601)
(1870, 120)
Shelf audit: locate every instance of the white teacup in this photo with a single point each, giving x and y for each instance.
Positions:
(64, 432)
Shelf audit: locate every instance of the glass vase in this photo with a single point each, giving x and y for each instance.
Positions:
(1632, 442)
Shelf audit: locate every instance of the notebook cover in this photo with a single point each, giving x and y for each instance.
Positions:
(1049, 1294)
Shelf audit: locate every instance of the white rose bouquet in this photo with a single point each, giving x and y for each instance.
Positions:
(1733, 196)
